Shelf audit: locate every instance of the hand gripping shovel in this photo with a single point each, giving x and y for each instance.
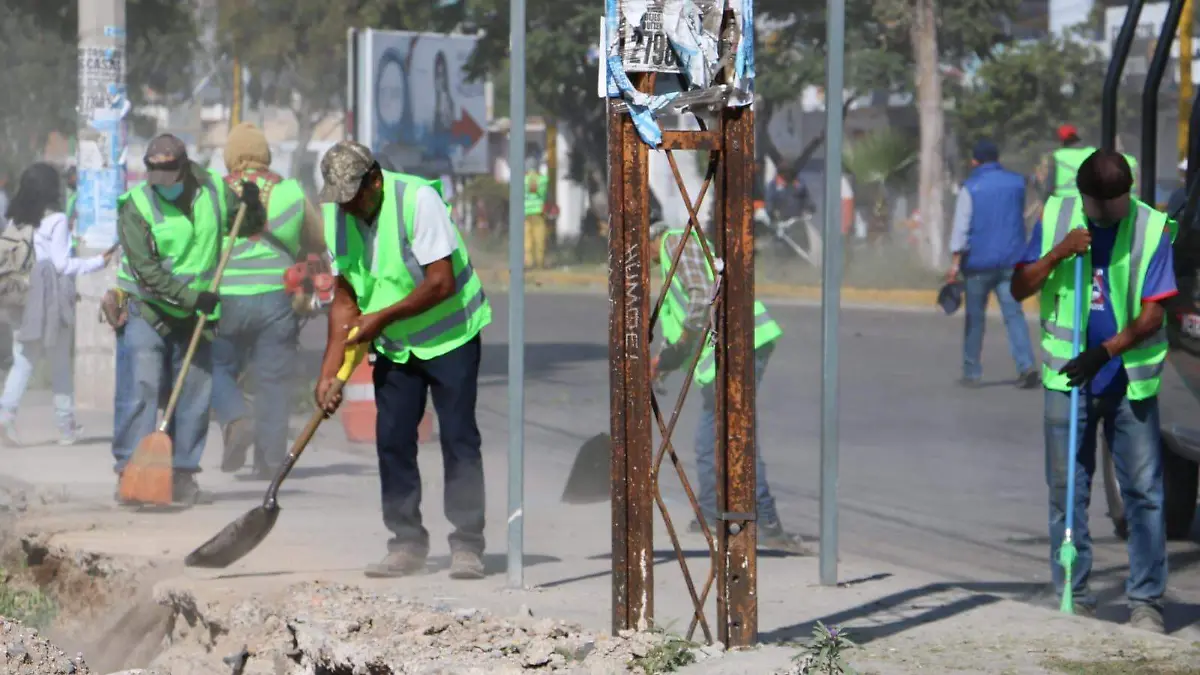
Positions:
(246, 533)
(1067, 554)
(148, 478)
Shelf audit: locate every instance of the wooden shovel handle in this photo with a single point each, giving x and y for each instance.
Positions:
(353, 356)
(202, 322)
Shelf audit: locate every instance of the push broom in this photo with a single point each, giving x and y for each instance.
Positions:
(148, 478)
(1067, 553)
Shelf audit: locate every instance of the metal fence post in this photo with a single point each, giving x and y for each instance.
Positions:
(516, 300)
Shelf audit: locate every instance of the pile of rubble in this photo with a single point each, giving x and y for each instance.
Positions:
(320, 628)
(25, 652)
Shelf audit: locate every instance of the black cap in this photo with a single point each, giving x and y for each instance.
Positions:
(166, 160)
(1105, 174)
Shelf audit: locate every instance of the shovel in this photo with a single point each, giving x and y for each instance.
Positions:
(148, 478)
(246, 533)
(590, 481)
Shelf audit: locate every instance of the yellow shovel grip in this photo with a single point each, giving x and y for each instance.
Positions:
(354, 356)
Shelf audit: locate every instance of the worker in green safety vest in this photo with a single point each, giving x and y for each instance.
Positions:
(405, 281)
(1129, 273)
(536, 185)
(684, 322)
(170, 229)
(1064, 163)
(259, 322)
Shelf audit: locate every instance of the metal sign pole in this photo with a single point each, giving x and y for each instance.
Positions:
(831, 289)
(516, 299)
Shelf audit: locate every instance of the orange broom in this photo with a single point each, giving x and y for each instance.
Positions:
(149, 477)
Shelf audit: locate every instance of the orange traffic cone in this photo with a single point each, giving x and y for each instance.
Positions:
(358, 410)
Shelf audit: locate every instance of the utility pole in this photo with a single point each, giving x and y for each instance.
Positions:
(100, 147)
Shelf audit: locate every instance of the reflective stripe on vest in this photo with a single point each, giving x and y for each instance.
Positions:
(390, 278)
(766, 330)
(1066, 166)
(199, 281)
(1144, 363)
(258, 264)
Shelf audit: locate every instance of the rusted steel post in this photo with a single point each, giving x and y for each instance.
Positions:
(629, 375)
(737, 531)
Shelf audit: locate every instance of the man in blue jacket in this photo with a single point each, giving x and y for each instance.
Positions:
(987, 241)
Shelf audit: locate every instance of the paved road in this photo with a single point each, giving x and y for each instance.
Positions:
(932, 477)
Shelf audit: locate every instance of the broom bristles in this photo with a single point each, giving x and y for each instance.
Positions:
(149, 476)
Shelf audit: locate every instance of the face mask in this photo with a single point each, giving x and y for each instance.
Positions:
(169, 192)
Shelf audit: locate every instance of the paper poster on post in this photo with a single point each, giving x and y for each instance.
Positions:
(423, 114)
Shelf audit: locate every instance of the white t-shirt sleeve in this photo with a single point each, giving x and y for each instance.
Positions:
(434, 236)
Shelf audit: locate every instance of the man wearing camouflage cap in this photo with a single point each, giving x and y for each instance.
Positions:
(405, 281)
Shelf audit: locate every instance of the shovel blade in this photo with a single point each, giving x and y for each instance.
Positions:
(590, 481)
(236, 540)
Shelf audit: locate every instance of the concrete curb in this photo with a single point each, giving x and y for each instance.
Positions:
(909, 298)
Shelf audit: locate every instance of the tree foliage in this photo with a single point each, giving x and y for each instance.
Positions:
(561, 70)
(1022, 93)
(40, 76)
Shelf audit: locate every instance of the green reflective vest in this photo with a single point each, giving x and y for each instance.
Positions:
(1137, 238)
(258, 263)
(674, 312)
(535, 200)
(1066, 166)
(393, 273)
(188, 247)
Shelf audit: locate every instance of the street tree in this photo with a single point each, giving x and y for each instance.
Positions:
(930, 36)
(1022, 92)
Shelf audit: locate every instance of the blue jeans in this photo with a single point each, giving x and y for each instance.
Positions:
(62, 379)
(259, 333)
(706, 451)
(400, 392)
(1132, 432)
(979, 286)
(147, 365)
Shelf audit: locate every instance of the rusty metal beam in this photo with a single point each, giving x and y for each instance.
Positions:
(737, 531)
(629, 375)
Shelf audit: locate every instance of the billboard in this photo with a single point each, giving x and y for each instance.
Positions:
(413, 104)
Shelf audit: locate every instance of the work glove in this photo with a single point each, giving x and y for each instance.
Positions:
(1081, 369)
(250, 196)
(206, 302)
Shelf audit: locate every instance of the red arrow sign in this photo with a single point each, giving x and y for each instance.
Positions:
(467, 130)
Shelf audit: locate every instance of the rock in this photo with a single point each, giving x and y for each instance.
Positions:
(538, 655)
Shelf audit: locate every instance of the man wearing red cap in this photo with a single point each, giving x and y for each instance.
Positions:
(1064, 163)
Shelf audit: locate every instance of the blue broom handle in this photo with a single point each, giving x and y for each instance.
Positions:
(1073, 417)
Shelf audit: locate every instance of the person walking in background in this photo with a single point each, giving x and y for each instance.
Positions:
(536, 184)
(47, 324)
(1129, 271)
(787, 197)
(259, 326)
(684, 322)
(171, 227)
(415, 298)
(986, 242)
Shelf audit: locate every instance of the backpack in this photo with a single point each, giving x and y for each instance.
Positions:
(16, 262)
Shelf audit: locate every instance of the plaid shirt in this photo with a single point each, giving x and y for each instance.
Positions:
(692, 273)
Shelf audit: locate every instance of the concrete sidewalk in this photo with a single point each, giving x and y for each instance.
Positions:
(330, 527)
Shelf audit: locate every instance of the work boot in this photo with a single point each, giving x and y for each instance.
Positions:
(237, 436)
(402, 562)
(1029, 379)
(466, 565)
(969, 383)
(772, 537)
(1148, 618)
(186, 491)
(1084, 611)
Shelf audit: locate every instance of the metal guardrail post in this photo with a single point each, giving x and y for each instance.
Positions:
(1116, 68)
(1154, 77)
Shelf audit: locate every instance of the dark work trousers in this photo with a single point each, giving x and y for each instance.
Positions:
(400, 388)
